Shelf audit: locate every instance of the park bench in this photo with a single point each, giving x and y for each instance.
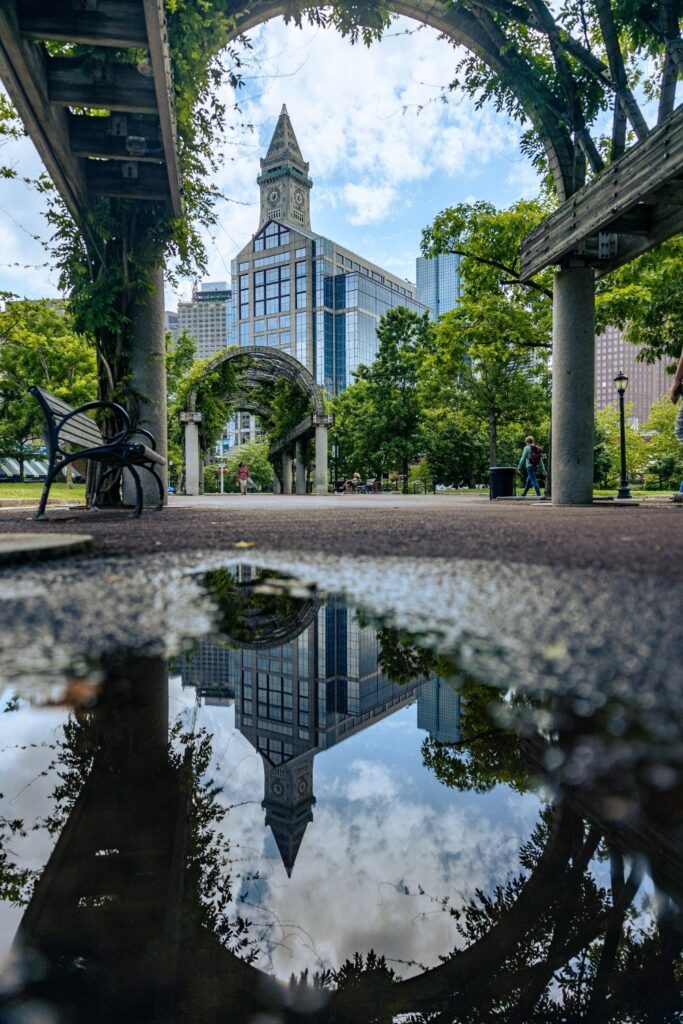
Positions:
(73, 435)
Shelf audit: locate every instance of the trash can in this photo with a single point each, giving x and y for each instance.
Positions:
(501, 482)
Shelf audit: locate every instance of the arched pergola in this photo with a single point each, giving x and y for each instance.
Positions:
(261, 365)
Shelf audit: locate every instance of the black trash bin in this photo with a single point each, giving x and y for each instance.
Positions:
(501, 481)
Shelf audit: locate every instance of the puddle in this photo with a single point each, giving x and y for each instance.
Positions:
(263, 798)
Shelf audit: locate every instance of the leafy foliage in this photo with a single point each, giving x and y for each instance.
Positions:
(39, 345)
(384, 407)
(643, 298)
(487, 754)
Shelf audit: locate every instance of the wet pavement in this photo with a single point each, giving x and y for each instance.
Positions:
(388, 760)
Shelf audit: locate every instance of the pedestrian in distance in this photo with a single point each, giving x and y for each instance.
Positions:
(676, 392)
(531, 462)
(243, 477)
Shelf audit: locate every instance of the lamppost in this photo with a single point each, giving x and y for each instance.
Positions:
(621, 383)
(335, 456)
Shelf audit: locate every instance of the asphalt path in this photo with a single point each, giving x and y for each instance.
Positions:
(645, 540)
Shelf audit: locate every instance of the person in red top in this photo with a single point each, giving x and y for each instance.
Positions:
(243, 477)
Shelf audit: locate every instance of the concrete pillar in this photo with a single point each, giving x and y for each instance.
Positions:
(573, 386)
(321, 478)
(299, 469)
(277, 483)
(148, 379)
(286, 473)
(193, 462)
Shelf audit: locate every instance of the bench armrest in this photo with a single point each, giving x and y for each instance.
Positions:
(152, 439)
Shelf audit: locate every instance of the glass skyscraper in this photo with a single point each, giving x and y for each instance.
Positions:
(301, 292)
(438, 283)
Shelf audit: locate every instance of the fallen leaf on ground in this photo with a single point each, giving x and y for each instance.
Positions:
(244, 544)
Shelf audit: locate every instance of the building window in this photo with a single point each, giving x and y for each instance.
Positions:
(244, 296)
(272, 236)
(300, 285)
(300, 253)
(271, 291)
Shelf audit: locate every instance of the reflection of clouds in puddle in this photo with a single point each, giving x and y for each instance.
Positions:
(376, 838)
(370, 781)
(356, 882)
(28, 738)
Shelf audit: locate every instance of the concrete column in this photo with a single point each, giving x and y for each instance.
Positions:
(573, 386)
(299, 469)
(148, 378)
(321, 478)
(286, 473)
(277, 483)
(193, 462)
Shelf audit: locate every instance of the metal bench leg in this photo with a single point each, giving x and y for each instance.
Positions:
(135, 514)
(160, 485)
(49, 480)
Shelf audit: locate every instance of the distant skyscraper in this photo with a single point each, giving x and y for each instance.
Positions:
(438, 283)
(438, 710)
(171, 323)
(300, 292)
(207, 317)
(647, 381)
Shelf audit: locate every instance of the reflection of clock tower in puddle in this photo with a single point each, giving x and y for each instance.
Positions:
(285, 184)
(288, 803)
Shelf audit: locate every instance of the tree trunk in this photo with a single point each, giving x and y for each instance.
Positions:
(493, 437)
(405, 476)
(21, 463)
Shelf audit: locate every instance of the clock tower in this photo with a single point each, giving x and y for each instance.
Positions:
(284, 181)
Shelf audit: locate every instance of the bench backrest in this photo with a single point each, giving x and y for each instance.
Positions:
(79, 430)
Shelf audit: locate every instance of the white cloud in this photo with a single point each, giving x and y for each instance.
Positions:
(368, 204)
(370, 781)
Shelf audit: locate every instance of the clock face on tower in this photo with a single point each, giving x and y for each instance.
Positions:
(299, 197)
(273, 194)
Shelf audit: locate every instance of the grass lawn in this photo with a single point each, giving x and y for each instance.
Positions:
(33, 491)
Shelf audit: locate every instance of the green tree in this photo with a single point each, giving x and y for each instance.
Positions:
(643, 299)
(255, 454)
(38, 345)
(637, 453)
(392, 389)
(491, 352)
(487, 754)
(355, 432)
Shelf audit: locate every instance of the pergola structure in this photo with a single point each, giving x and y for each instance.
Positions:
(104, 128)
(631, 204)
(263, 366)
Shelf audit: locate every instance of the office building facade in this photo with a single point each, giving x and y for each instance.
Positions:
(438, 283)
(207, 318)
(303, 293)
(648, 382)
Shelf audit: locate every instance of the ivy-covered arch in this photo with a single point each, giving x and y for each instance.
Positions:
(258, 367)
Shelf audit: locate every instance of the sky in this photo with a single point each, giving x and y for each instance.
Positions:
(386, 153)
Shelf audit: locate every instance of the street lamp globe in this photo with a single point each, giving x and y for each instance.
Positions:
(621, 382)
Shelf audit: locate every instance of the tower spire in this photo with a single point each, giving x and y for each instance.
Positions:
(284, 181)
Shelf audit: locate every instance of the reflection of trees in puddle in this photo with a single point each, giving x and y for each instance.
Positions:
(257, 607)
(135, 914)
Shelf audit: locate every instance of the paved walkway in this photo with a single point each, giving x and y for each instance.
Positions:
(647, 539)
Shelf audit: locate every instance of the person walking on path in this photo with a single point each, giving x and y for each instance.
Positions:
(676, 392)
(243, 477)
(531, 460)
